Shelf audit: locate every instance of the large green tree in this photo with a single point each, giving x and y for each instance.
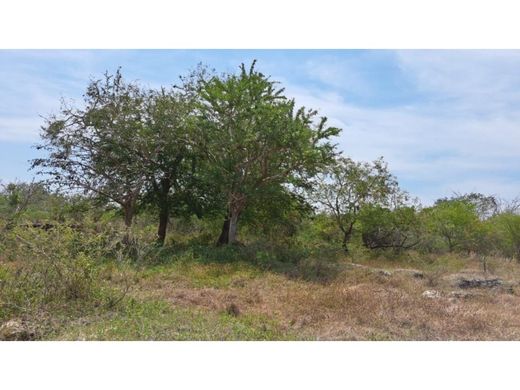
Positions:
(91, 148)
(254, 137)
(124, 145)
(486, 206)
(507, 227)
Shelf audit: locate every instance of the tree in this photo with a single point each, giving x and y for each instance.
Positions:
(347, 186)
(93, 148)
(383, 228)
(252, 138)
(455, 221)
(485, 206)
(17, 198)
(507, 225)
(168, 159)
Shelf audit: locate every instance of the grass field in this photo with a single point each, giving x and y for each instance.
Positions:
(188, 297)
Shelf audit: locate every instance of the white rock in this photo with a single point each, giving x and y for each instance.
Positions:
(16, 330)
(431, 294)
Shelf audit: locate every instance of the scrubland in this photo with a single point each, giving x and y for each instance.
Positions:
(70, 284)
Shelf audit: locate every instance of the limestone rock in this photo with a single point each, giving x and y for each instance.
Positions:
(433, 294)
(460, 294)
(15, 330)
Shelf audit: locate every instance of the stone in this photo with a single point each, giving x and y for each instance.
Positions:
(460, 294)
(15, 330)
(479, 283)
(433, 294)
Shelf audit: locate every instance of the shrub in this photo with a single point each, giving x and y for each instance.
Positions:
(452, 221)
(507, 226)
(48, 268)
(382, 228)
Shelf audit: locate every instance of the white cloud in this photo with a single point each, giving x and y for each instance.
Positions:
(337, 74)
(467, 80)
(434, 151)
(19, 129)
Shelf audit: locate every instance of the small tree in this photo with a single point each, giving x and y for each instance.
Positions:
(507, 226)
(455, 221)
(383, 228)
(486, 206)
(17, 198)
(347, 186)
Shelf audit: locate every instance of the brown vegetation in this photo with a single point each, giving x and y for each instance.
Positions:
(362, 303)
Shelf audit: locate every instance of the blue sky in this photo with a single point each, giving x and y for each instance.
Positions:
(446, 121)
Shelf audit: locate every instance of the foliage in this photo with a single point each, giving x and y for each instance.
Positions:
(345, 187)
(92, 148)
(383, 228)
(169, 160)
(50, 268)
(485, 206)
(455, 222)
(277, 224)
(507, 225)
(254, 138)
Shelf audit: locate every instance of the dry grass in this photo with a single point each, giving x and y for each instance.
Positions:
(360, 304)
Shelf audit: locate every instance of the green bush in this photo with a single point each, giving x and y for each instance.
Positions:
(451, 226)
(507, 228)
(48, 269)
(382, 228)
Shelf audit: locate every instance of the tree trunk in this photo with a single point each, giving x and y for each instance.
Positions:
(228, 234)
(347, 233)
(164, 210)
(129, 217)
(233, 222)
(346, 239)
(163, 225)
(224, 234)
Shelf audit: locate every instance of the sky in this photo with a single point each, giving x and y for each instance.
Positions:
(445, 121)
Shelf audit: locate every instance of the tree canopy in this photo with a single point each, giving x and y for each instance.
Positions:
(92, 148)
(253, 137)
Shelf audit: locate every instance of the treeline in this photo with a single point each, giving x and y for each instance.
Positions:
(234, 147)
(343, 218)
